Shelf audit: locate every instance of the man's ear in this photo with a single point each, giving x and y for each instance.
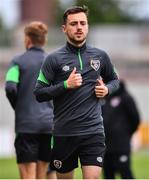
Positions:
(64, 28)
(27, 42)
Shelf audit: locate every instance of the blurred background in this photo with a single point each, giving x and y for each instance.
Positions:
(120, 27)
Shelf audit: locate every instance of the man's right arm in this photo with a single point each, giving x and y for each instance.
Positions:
(45, 90)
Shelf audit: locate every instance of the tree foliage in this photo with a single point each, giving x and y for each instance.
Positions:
(105, 11)
(100, 11)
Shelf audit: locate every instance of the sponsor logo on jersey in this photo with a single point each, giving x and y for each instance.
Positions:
(99, 159)
(95, 64)
(65, 68)
(57, 164)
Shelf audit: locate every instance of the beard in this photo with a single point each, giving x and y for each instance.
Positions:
(77, 40)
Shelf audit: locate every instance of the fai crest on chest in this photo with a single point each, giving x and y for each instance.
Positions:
(95, 64)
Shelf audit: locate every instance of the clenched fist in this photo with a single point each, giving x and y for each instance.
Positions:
(100, 89)
(74, 80)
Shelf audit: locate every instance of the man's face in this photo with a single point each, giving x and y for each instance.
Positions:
(76, 28)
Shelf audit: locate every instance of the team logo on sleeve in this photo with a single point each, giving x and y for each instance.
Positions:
(57, 164)
(95, 64)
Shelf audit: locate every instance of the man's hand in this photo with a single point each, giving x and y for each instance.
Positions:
(100, 89)
(74, 80)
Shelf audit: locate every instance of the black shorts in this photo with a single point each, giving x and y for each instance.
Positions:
(67, 149)
(33, 147)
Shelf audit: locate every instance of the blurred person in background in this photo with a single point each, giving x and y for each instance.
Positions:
(121, 119)
(33, 120)
(71, 80)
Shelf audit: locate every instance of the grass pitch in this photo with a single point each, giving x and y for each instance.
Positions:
(140, 166)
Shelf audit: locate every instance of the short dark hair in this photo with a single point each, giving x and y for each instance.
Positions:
(75, 10)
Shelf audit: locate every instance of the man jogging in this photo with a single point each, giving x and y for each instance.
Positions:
(70, 76)
(33, 120)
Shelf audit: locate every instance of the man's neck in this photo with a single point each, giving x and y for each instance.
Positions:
(30, 46)
(77, 45)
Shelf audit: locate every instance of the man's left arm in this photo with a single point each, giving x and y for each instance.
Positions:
(109, 82)
(132, 112)
(11, 84)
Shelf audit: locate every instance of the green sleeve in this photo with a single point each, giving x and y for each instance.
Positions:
(42, 78)
(13, 74)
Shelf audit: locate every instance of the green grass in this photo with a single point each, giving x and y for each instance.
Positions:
(140, 166)
(8, 168)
